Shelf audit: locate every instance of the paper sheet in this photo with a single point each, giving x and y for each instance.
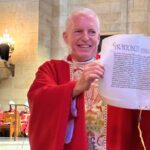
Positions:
(126, 82)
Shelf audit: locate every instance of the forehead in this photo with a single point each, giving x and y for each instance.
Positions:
(83, 20)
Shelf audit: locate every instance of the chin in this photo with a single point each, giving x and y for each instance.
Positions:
(81, 59)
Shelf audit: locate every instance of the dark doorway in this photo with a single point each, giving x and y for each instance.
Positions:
(100, 43)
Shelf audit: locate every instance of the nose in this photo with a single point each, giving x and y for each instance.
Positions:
(85, 36)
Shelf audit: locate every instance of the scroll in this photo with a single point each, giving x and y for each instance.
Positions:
(126, 81)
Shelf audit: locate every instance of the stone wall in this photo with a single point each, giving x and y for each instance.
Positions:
(45, 31)
(138, 16)
(109, 12)
(20, 18)
(59, 14)
(116, 16)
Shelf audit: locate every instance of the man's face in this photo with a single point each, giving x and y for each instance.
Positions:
(82, 36)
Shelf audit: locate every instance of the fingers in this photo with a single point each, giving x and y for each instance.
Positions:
(94, 70)
(90, 73)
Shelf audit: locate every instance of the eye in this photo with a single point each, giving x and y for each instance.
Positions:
(78, 31)
(92, 32)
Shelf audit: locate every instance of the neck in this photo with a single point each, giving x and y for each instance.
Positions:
(83, 62)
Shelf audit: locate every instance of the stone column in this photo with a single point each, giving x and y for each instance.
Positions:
(60, 11)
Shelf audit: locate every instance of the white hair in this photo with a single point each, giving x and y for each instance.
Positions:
(84, 11)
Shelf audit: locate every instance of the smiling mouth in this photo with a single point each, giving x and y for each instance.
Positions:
(84, 46)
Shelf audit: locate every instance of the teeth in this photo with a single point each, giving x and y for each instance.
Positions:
(84, 46)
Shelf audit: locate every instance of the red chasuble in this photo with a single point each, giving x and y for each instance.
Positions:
(50, 98)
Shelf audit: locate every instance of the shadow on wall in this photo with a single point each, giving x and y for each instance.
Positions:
(100, 44)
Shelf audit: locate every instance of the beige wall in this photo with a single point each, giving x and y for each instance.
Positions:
(20, 18)
(44, 32)
(59, 14)
(37, 26)
(116, 16)
(138, 16)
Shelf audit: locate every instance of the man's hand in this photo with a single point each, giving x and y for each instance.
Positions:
(90, 73)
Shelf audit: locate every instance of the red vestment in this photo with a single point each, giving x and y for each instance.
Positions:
(50, 99)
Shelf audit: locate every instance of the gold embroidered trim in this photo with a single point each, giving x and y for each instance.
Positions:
(99, 140)
(140, 131)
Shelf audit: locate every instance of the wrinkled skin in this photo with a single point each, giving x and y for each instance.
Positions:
(82, 36)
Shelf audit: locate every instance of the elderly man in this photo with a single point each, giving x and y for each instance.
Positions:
(67, 112)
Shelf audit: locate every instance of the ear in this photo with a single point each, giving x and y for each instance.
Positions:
(65, 37)
(99, 37)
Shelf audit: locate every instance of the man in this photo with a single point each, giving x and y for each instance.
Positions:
(67, 112)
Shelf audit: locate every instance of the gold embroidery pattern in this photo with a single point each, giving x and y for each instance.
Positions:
(95, 112)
